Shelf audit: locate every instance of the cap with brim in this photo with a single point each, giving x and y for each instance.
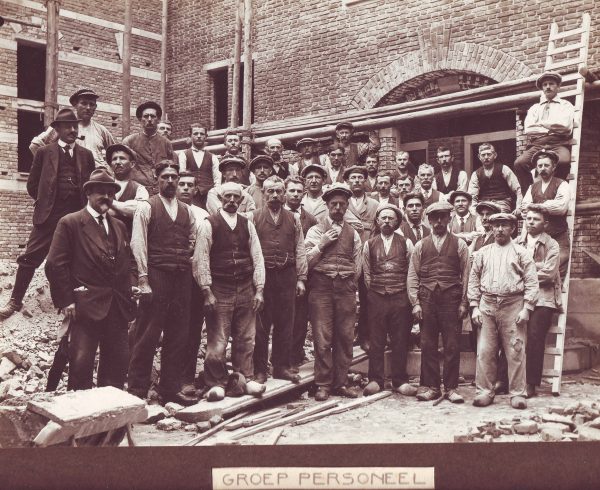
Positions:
(344, 124)
(150, 104)
(84, 92)
(100, 176)
(500, 217)
(337, 189)
(548, 74)
(231, 160)
(313, 167)
(552, 155)
(230, 187)
(456, 194)
(65, 116)
(306, 141)
(355, 169)
(492, 206)
(118, 147)
(396, 210)
(439, 207)
(261, 159)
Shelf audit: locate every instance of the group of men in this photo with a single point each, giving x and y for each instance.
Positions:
(154, 244)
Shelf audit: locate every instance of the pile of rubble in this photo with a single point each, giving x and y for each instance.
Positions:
(577, 421)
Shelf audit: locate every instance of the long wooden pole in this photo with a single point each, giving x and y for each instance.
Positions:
(247, 114)
(51, 90)
(163, 59)
(237, 52)
(126, 87)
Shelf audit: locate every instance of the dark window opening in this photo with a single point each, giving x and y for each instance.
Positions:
(220, 98)
(29, 124)
(31, 71)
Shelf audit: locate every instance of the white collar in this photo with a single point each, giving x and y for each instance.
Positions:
(543, 99)
(93, 212)
(64, 144)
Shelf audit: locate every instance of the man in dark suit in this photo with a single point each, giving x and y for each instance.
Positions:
(55, 182)
(413, 228)
(92, 280)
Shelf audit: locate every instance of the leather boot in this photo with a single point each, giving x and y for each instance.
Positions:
(9, 308)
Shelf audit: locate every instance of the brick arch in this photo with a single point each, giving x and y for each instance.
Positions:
(463, 56)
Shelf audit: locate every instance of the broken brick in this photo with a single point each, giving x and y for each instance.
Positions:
(551, 434)
(525, 427)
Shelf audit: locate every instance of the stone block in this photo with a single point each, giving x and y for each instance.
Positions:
(169, 424)
(203, 426)
(554, 426)
(215, 419)
(588, 433)
(172, 408)
(190, 428)
(551, 434)
(525, 427)
(155, 413)
(6, 368)
(559, 419)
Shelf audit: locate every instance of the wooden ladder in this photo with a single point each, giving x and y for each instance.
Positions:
(567, 56)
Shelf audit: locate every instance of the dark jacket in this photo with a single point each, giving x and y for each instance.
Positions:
(42, 181)
(79, 257)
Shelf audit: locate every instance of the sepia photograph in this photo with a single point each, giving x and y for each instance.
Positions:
(304, 244)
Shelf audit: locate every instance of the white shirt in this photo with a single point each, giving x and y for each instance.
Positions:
(64, 145)
(95, 215)
(357, 202)
(230, 219)
(170, 206)
(387, 242)
(198, 157)
(333, 173)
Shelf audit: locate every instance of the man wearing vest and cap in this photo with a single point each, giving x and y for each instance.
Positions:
(450, 178)
(201, 163)
(437, 287)
(495, 182)
(91, 279)
(553, 195)
(545, 251)
(230, 269)
(121, 160)
(549, 126)
(164, 231)
(91, 135)
(463, 223)
(149, 146)
(355, 153)
(333, 251)
(232, 169)
(385, 260)
(232, 140)
(282, 242)
(55, 182)
(413, 228)
(425, 175)
(262, 168)
(308, 154)
(503, 290)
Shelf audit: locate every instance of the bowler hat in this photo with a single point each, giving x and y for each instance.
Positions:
(498, 217)
(355, 169)
(150, 104)
(305, 141)
(552, 155)
(261, 158)
(118, 147)
(548, 74)
(231, 160)
(336, 189)
(65, 116)
(100, 176)
(84, 92)
(344, 124)
(456, 194)
(492, 206)
(313, 167)
(439, 207)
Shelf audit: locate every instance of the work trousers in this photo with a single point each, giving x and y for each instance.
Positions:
(499, 328)
(564, 249)
(440, 316)
(539, 323)
(363, 312)
(110, 334)
(232, 317)
(168, 313)
(389, 314)
(300, 328)
(195, 334)
(278, 312)
(332, 314)
(523, 164)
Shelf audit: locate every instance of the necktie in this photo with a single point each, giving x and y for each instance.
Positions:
(68, 152)
(101, 222)
(418, 233)
(462, 225)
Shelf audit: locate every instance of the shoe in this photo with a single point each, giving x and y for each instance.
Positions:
(236, 385)
(531, 391)
(500, 388)
(215, 394)
(322, 394)
(295, 369)
(347, 392)
(406, 389)
(483, 400)
(365, 345)
(518, 402)
(261, 378)
(372, 388)
(429, 395)
(9, 308)
(455, 397)
(286, 374)
(188, 389)
(255, 388)
(180, 398)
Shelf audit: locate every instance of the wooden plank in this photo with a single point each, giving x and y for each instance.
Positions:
(275, 387)
(553, 351)
(550, 373)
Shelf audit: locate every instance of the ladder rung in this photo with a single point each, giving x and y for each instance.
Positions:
(564, 34)
(553, 351)
(553, 373)
(566, 49)
(556, 329)
(570, 93)
(567, 62)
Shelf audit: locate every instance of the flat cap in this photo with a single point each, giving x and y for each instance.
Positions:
(439, 207)
(84, 92)
(336, 189)
(548, 74)
(492, 206)
(456, 194)
(344, 124)
(261, 159)
(388, 206)
(149, 104)
(552, 155)
(499, 217)
(119, 147)
(313, 167)
(306, 141)
(355, 169)
(231, 160)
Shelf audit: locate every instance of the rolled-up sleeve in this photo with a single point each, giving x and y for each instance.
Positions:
(414, 269)
(301, 262)
(474, 287)
(139, 237)
(201, 259)
(463, 255)
(257, 258)
(311, 243)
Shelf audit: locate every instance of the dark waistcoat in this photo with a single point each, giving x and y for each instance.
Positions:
(388, 272)
(230, 258)
(556, 223)
(278, 241)
(493, 187)
(440, 268)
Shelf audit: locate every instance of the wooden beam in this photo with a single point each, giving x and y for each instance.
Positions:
(163, 58)
(247, 109)
(237, 52)
(51, 90)
(215, 429)
(126, 84)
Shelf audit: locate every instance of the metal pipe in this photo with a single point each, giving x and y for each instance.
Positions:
(126, 85)
(51, 89)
